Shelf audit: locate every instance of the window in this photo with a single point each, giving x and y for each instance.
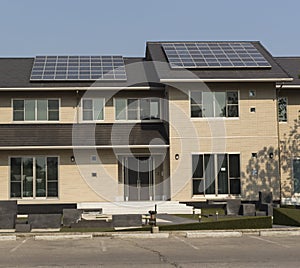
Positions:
(214, 104)
(137, 109)
(32, 177)
(216, 174)
(36, 110)
(282, 109)
(92, 109)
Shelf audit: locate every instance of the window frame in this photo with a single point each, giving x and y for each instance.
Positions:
(34, 188)
(93, 100)
(286, 108)
(160, 110)
(214, 107)
(35, 109)
(216, 194)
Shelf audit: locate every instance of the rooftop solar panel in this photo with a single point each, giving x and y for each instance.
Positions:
(78, 68)
(214, 55)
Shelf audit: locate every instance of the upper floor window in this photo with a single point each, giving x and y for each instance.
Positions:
(214, 104)
(282, 109)
(36, 110)
(137, 109)
(92, 109)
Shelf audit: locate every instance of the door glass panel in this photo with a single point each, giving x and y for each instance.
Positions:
(154, 109)
(40, 169)
(53, 110)
(145, 109)
(197, 165)
(132, 109)
(98, 109)
(222, 174)
(296, 174)
(208, 110)
(15, 177)
(52, 176)
(27, 176)
(30, 110)
(18, 108)
(120, 109)
(220, 104)
(209, 162)
(42, 106)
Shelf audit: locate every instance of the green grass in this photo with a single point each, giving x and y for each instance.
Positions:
(287, 216)
(221, 224)
(86, 230)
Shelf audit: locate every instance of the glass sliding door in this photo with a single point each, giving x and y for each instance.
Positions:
(138, 178)
(216, 174)
(32, 177)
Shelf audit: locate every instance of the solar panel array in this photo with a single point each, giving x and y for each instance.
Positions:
(78, 68)
(214, 55)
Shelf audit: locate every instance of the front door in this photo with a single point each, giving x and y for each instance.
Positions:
(138, 178)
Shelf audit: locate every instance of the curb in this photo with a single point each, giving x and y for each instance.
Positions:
(147, 235)
(279, 233)
(61, 237)
(8, 238)
(213, 234)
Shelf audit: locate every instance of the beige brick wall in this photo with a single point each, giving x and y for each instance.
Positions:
(251, 132)
(76, 183)
(289, 140)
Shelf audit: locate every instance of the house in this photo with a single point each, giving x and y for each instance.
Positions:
(189, 122)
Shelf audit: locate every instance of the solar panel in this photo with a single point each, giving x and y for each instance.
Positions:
(214, 55)
(78, 68)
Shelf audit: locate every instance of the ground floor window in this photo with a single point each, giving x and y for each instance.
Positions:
(296, 175)
(216, 174)
(32, 177)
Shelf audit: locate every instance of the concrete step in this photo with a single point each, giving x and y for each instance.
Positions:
(115, 208)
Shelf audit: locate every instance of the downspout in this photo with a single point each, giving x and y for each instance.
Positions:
(278, 141)
(77, 106)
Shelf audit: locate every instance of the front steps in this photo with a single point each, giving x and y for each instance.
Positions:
(138, 207)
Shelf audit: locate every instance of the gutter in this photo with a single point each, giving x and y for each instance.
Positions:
(227, 80)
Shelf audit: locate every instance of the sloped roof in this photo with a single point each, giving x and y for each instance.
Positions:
(155, 52)
(15, 73)
(292, 67)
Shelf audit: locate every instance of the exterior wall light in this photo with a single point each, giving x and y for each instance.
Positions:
(271, 155)
(72, 158)
(176, 156)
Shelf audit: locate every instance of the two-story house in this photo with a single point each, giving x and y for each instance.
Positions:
(189, 122)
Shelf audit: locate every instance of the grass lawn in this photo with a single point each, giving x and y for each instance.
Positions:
(287, 216)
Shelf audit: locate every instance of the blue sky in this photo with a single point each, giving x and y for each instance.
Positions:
(98, 27)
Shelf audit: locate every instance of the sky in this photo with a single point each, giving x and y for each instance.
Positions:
(116, 27)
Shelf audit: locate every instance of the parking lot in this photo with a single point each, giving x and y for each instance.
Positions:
(246, 251)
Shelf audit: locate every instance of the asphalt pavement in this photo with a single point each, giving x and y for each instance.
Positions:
(175, 251)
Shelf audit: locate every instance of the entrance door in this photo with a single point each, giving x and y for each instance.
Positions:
(138, 178)
(296, 175)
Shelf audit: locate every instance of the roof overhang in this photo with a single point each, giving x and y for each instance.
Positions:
(218, 80)
(160, 146)
(75, 88)
(288, 86)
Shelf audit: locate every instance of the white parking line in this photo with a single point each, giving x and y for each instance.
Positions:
(16, 247)
(186, 242)
(103, 247)
(269, 241)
